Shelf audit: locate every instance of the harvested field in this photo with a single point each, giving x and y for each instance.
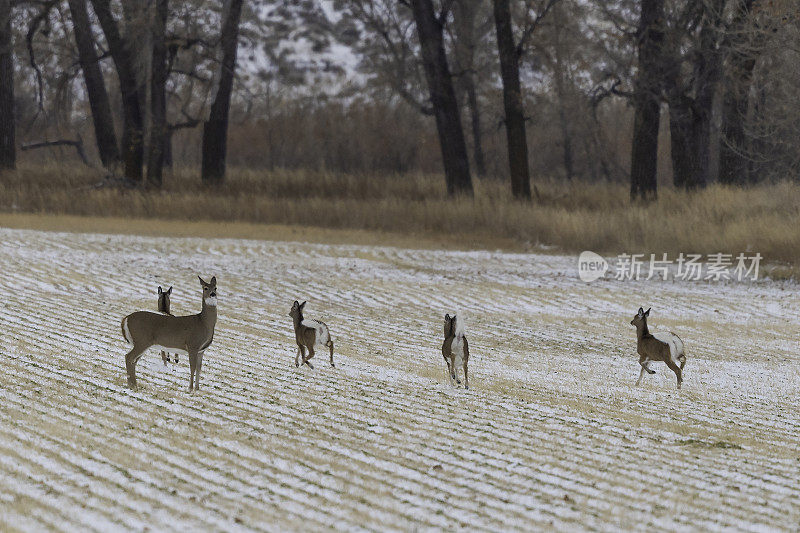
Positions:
(552, 434)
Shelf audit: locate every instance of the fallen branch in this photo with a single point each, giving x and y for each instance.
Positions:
(61, 142)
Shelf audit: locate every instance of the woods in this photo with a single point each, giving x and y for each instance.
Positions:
(648, 92)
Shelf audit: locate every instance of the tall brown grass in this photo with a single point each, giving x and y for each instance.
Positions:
(568, 216)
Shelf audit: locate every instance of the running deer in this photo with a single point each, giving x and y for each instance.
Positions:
(163, 307)
(190, 334)
(308, 333)
(455, 348)
(660, 346)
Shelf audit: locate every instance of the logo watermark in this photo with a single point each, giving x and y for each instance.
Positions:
(591, 266)
(688, 267)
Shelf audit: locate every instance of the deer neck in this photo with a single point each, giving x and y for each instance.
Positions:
(642, 331)
(208, 314)
(297, 321)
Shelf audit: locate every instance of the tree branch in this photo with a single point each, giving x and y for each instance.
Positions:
(61, 142)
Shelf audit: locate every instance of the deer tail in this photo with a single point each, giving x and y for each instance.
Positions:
(125, 331)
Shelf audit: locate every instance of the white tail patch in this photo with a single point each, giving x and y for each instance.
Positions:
(670, 339)
(322, 336)
(126, 332)
(460, 327)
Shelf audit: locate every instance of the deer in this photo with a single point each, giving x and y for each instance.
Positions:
(455, 348)
(163, 307)
(307, 334)
(190, 335)
(659, 346)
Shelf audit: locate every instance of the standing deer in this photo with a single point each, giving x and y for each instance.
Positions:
(660, 346)
(190, 334)
(308, 333)
(455, 348)
(163, 307)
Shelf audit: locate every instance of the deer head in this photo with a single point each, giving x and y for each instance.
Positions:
(297, 311)
(164, 299)
(209, 291)
(641, 317)
(449, 325)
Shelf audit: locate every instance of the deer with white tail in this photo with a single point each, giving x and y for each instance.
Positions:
(455, 348)
(308, 333)
(190, 335)
(659, 346)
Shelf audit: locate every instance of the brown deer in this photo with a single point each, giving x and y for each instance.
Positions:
(660, 346)
(307, 334)
(163, 307)
(455, 348)
(190, 335)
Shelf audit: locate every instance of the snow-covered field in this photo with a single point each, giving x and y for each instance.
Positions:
(553, 433)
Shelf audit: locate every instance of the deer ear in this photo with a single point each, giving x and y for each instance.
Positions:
(169, 291)
(647, 313)
(641, 311)
(214, 281)
(159, 289)
(302, 305)
(447, 316)
(201, 281)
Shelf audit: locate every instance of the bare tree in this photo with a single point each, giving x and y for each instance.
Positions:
(692, 76)
(467, 40)
(97, 95)
(741, 61)
(158, 95)
(646, 101)
(133, 121)
(8, 152)
(215, 129)
(510, 53)
(430, 32)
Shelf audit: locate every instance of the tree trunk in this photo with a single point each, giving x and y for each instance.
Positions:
(158, 96)
(215, 129)
(464, 18)
(561, 94)
(646, 102)
(512, 102)
(691, 117)
(136, 16)
(8, 151)
(133, 124)
(443, 98)
(96, 92)
(168, 157)
(681, 139)
(733, 161)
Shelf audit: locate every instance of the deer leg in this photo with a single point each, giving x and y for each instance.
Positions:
(675, 368)
(466, 378)
(301, 352)
(130, 364)
(330, 345)
(641, 375)
(452, 366)
(310, 355)
(164, 357)
(192, 368)
(199, 369)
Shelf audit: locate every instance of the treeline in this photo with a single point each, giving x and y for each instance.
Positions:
(520, 89)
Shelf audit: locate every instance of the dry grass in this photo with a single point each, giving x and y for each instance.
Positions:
(569, 217)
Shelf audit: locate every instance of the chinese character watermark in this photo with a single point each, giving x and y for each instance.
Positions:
(684, 267)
